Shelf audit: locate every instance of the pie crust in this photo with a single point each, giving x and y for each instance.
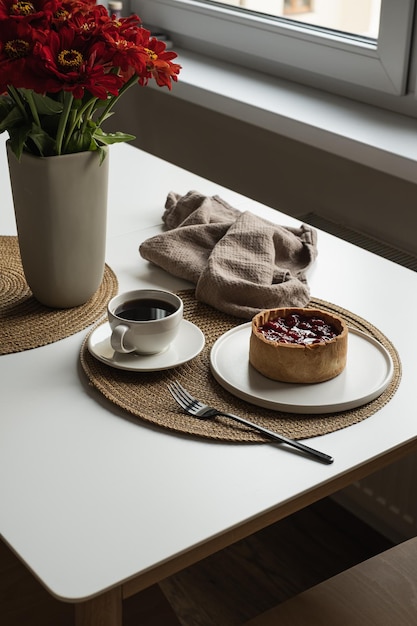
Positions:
(298, 363)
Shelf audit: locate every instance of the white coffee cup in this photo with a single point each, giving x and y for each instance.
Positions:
(145, 321)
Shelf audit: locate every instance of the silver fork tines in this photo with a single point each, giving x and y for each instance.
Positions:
(196, 408)
(182, 397)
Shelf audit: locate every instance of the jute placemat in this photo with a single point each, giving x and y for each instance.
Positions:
(27, 324)
(145, 396)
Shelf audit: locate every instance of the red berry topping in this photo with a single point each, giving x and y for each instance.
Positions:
(298, 329)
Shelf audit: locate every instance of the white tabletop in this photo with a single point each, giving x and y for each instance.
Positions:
(90, 498)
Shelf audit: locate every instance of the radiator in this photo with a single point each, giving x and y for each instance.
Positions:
(362, 240)
(387, 500)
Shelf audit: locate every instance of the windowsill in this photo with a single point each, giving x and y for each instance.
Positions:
(365, 134)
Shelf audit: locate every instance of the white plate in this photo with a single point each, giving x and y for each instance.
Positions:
(368, 372)
(188, 343)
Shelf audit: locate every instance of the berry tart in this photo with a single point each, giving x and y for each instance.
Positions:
(296, 345)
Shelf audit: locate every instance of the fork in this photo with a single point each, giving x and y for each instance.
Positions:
(196, 408)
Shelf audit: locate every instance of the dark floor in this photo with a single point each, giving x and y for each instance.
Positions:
(225, 589)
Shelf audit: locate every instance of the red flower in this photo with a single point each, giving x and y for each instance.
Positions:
(28, 10)
(52, 47)
(65, 12)
(68, 63)
(160, 65)
(78, 47)
(126, 48)
(18, 42)
(85, 18)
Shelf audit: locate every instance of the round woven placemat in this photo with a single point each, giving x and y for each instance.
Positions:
(145, 395)
(27, 324)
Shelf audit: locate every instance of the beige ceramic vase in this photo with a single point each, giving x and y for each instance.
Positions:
(60, 206)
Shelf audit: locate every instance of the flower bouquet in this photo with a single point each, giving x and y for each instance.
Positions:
(64, 64)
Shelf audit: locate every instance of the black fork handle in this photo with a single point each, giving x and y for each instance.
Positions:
(321, 456)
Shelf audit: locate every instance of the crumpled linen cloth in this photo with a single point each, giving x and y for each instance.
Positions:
(239, 262)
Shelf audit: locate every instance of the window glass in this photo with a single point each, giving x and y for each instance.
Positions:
(355, 17)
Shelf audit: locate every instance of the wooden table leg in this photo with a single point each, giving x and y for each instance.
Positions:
(104, 610)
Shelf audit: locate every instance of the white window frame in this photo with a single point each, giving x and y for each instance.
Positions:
(280, 48)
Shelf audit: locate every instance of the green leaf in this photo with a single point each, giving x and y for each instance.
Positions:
(80, 141)
(6, 105)
(109, 138)
(103, 154)
(101, 104)
(18, 138)
(12, 119)
(44, 104)
(44, 143)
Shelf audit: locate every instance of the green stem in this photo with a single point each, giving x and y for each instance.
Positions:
(87, 109)
(114, 99)
(14, 93)
(68, 99)
(32, 106)
(87, 112)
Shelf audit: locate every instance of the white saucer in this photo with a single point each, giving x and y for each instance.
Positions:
(188, 343)
(368, 372)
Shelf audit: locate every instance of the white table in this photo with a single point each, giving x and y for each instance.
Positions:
(99, 507)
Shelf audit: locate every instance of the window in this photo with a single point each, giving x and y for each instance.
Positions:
(358, 18)
(297, 6)
(297, 41)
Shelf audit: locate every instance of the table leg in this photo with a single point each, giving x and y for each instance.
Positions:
(104, 610)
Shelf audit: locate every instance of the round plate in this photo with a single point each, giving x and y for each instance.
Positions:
(187, 344)
(368, 372)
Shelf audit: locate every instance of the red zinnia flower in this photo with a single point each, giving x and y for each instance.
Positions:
(17, 44)
(160, 64)
(128, 53)
(74, 46)
(28, 10)
(69, 64)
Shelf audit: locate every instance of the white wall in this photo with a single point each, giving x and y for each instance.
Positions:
(285, 174)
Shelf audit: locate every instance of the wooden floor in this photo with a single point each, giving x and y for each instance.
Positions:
(225, 589)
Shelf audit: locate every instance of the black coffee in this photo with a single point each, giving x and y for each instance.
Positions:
(144, 310)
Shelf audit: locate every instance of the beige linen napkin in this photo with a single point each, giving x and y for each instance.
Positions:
(240, 263)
